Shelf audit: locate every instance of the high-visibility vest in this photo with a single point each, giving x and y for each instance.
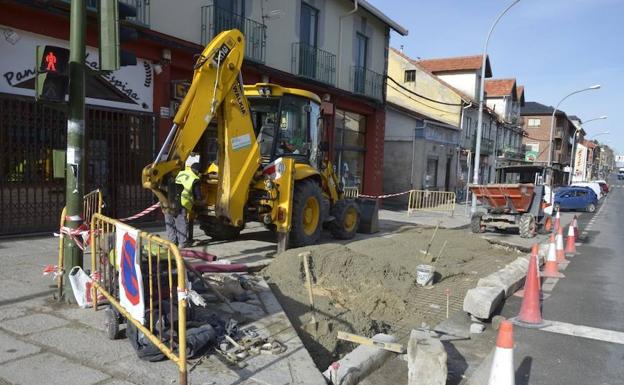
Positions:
(186, 178)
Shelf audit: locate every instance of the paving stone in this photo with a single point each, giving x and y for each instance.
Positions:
(33, 323)
(426, 360)
(84, 344)
(49, 369)
(481, 301)
(10, 312)
(11, 348)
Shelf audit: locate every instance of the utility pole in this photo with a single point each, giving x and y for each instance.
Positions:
(74, 174)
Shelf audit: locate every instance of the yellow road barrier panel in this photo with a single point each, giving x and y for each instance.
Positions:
(432, 201)
(351, 192)
(92, 203)
(160, 261)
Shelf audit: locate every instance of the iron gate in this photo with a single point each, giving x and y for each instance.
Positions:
(119, 144)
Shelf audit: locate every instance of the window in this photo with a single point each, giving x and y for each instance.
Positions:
(410, 76)
(350, 142)
(309, 25)
(431, 178)
(534, 122)
(468, 127)
(361, 46)
(532, 147)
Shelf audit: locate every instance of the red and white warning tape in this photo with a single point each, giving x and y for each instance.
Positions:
(142, 213)
(383, 196)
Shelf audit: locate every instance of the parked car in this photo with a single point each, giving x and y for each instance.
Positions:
(604, 186)
(593, 185)
(576, 198)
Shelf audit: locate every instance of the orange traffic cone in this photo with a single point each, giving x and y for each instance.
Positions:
(502, 372)
(575, 225)
(557, 221)
(551, 268)
(530, 313)
(559, 246)
(570, 248)
(548, 224)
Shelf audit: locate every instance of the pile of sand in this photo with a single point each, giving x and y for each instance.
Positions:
(369, 286)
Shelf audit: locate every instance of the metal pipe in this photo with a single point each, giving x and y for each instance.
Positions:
(473, 207)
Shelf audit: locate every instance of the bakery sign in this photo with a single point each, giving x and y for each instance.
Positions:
(131, 87)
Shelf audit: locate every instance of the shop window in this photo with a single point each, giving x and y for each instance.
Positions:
(350, 142)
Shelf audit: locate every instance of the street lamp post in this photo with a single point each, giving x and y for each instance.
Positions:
(572, 157)
(600, 133)
(552, 131)
(475, 176)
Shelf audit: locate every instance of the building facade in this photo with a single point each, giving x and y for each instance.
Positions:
(537, 123)
(335, 48)
(422, 134)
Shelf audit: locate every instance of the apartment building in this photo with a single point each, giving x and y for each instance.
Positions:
(335, 48)
(537, 124)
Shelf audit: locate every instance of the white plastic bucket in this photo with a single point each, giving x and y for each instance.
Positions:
(424, 274)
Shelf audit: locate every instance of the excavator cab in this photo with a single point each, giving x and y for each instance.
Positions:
(286, 122)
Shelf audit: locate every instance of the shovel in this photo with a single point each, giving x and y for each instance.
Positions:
(312, 326)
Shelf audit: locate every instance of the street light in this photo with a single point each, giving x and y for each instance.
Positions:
(552, 130)
(475, 177)
(572, 157)
(600, 133)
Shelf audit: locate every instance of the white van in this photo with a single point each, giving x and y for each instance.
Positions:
(595, 186)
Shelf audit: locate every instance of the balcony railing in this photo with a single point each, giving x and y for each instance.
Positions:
(487, 145)
(366, 82)
(509, 152)
(313, 63)
(437, 134)
(215, 20)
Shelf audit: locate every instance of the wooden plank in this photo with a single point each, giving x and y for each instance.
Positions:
(391, 346)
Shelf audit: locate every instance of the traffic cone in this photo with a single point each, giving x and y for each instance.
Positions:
(502, 372)
(559, 246)
(530, 313)
(534, 251)
(548, 224)
(551, 268)
(570, 248)
(557, 221)
(575, 225)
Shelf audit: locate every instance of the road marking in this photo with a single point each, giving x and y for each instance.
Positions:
(584, 233)
(584, 331)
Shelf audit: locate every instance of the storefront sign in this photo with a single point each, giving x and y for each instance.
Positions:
(130, 87)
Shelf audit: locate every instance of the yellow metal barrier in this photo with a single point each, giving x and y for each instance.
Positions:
(435, 201)
(351, 192)
(158, 254)
(92, 203)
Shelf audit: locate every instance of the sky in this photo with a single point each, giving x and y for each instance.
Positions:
(552, 47)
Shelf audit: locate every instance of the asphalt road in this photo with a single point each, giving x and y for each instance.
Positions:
(591, 294)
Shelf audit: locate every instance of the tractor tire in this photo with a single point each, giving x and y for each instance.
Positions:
(528, 226)
(307, 219)
(219, 231)
(476, 224)
(347, 219)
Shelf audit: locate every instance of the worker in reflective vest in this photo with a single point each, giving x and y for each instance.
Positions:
(179, 222)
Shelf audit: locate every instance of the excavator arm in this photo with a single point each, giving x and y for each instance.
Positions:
(216, 92)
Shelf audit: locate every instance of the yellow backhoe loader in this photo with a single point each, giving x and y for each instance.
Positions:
(271, 164)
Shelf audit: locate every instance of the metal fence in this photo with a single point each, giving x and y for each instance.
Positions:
(311, 62)
(435, 201)
(215, 20)
(366, 82)
(119, 144)
(162, 282)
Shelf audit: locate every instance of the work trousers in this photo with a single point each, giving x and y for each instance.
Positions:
(178, 228)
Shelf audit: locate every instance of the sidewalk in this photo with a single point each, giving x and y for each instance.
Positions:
(44, 342)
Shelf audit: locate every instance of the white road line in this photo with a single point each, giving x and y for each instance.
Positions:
(584, 331)
(584, 232)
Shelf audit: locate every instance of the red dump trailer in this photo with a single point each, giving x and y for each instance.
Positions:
(509, 206)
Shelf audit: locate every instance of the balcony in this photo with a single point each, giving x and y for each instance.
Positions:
(434, 133)
(366, 82)
(313, 63)
(509, 152)
(487, 145)
(215, 20)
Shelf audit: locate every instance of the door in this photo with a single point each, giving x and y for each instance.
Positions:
(308, 35)
(447, 180)
(359, 75)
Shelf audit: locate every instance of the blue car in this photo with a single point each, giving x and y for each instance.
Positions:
(576, 198)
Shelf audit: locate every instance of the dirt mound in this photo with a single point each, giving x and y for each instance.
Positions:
(369, 286)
